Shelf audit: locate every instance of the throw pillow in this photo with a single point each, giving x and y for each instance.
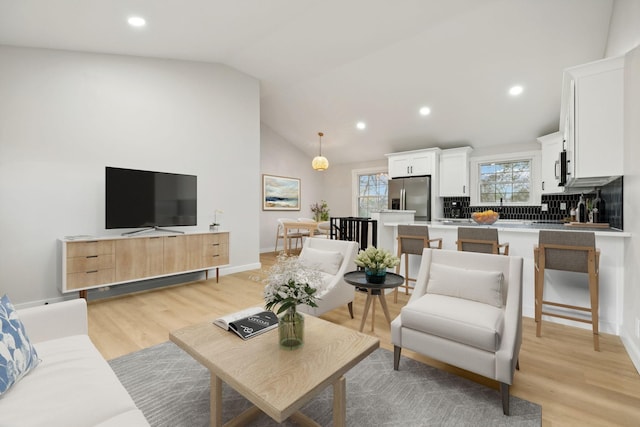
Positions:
(17, 355)
(326, 261)
(475, 285)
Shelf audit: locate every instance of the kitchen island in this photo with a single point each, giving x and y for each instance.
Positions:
(522, 236)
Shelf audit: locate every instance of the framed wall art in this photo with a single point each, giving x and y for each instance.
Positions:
(280, 193)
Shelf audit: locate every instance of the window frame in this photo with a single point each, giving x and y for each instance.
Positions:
(355, 184)
(535, 195)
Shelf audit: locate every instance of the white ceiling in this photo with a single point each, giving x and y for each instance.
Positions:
(324, 65)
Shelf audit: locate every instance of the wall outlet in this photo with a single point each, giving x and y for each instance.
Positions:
(544, 207)
(563, 206)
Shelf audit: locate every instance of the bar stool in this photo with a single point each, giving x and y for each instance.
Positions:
(481, 239)
(567, 251)
(412, 239)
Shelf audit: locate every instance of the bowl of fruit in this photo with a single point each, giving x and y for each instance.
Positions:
(485, 217)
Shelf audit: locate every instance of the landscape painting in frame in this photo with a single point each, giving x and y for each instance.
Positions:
(280, 193)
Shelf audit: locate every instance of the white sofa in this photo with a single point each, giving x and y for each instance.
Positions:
(73, 385)
(333, 258)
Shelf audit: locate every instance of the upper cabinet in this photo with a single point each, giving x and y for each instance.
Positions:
(591, 118)
(550, 163)
(454, 172)
(413, 163)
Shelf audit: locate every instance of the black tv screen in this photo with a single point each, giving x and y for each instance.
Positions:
(137, 198)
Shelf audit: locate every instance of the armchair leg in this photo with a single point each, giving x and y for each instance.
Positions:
(504, 391)
(396, 357)
(350, 305)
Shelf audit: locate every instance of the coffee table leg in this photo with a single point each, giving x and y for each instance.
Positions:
(216, 401)
(340, 402)
(366, 309)
(383, 303)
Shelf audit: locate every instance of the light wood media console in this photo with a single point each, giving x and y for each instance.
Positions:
(89, 263)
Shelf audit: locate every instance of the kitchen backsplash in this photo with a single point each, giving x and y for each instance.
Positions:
(611, 194)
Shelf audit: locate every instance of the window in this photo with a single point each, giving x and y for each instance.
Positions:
(505, 181)
(510, 177)
(372, 192)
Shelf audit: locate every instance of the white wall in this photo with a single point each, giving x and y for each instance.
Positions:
(281, 158)
(624, 38)
(64, 116)
(631, 301)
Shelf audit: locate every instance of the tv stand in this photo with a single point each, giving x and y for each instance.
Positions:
(94, 262)
(154, 228)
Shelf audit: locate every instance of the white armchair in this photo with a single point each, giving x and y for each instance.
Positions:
(465, 310)
(332, 258)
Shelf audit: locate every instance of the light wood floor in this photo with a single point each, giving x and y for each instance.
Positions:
(575, 385)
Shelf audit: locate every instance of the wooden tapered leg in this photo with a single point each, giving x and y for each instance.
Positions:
(350, 306)
(504, 391)
(216, 401)
(383, 303)
(366, 309)
(340, 402)
(396, 357)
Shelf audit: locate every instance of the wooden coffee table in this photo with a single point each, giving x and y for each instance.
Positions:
(278, 382)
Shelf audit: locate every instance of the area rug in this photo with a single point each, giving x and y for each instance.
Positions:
(172, 389)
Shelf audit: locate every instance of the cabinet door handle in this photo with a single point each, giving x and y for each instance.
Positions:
(92, 256)
(215, 244)
(542, 185)
(555, 169)
(157, 237)
(214, 256)
(464, 189)
(92, 271)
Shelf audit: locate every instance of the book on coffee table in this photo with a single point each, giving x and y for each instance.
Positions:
(249, 322)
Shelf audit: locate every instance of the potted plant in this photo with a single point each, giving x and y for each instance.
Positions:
(375, 263)
(320, 211)
(288, 285)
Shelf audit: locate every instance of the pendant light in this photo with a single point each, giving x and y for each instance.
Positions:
(320, 162)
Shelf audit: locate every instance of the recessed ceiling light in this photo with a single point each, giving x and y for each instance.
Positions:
(361, 125)
(516, 90)
(137, 21)
(425, 111)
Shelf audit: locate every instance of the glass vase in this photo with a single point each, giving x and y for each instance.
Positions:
(375, 276)
(291, 329)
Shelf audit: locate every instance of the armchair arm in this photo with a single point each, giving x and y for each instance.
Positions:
(507, 355)
(51, 321)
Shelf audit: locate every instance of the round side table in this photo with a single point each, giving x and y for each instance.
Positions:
(358, 279)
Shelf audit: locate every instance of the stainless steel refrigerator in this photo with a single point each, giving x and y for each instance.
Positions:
(412, 194)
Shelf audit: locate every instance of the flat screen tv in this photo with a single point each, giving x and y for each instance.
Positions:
(147, 199)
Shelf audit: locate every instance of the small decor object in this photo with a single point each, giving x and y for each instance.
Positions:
(288, 285)
(375, 263)
(280, 193)
(320, 211)
(487, 217)
(215, 225)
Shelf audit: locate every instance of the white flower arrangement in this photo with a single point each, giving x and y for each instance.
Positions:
(290, 284)
(376, 259)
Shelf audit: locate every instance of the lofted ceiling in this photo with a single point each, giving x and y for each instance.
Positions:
(325, 65)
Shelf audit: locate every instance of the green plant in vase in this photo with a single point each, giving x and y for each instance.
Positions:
(375, 263)
(320, 211)
(288, 285)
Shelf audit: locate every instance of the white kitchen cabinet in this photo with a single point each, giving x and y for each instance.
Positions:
(454, 172)
(591, 118)
(552, 145)
(413, 163)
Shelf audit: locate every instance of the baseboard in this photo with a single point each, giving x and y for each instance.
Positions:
(633, 350)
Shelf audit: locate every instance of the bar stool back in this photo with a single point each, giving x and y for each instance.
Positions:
(412, 239)
(481, 239)
(573, 251)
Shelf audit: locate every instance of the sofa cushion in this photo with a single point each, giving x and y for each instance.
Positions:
(468, 322)
(326, 261)
(17, 355)
(73, 386)
(476, 285)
